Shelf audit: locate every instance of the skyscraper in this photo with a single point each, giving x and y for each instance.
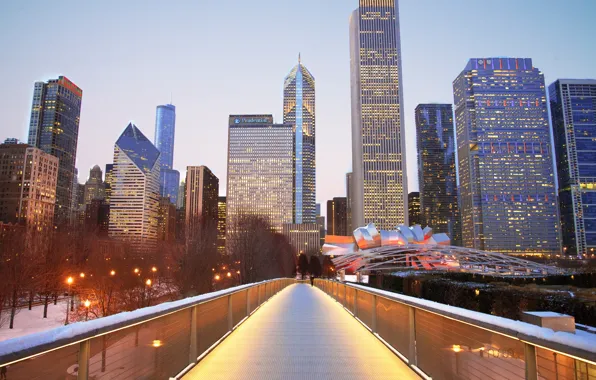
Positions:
(108, 182)
(349, 196)
(202, 189)
(54, 128)
(380, 192)
(27, 185)
(507, 187)
(299, 110)
(337, 216)
(260, 177)
(436, 169)
(573, 111)
(134, 200)
(166, 220)
(303, 237)
(165, 129)
(414, 208)
(94, 187)
(221, 224)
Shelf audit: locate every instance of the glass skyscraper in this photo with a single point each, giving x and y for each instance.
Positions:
(573, 111)
(299, 110)
(165, 129)
(507, 186)
(436, 169)
(54, 128)
(134, 199)
(260, 178)
(380, 193)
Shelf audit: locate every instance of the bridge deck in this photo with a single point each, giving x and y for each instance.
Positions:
(301, 333)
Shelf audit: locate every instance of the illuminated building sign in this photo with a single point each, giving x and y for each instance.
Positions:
(258, 119)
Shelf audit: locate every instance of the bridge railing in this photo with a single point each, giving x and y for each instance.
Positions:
(445, 342)
(157, 342)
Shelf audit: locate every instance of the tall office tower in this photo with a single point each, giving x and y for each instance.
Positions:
(134, 200)
(202, 189)
(97, 217)
(318, 209)
(573, 111)
(380, 186)
(437, 178)
(166, 220)
(54, 128)
(181, 201)
(337, 216)
(108, 182)
(260, 170)
(78, 208)
(349, 195)
(221, 224)
(299, 110)
(414, 208)
(94, 187)
(74, 199)
(321, 224)
(303, 237)
(507, 192)
(165, 129)
(28, 178)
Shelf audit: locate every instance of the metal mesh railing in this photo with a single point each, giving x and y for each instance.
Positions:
(155, 343)
(446, 348)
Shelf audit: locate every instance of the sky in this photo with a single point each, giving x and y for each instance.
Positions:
(214, 58)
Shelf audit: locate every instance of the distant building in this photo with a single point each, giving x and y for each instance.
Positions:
(414, 208)
(221, 224)
(380, 186)
(337, 217)
(318, 208)
(108, 182)
(321, 224)
(134, 203)
(165, 131)
(94, 187)
(349, 195)
(299, 110)
(437, 178)
(507, 192)
(28, 178)
(54, 128)
(304, 237)
(97, 217)
(573, 114)
(202, 189)
(260, 178)
(78, 209)
(166, 220)
(181, 201)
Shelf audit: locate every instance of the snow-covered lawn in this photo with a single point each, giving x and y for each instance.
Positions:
(31, 321)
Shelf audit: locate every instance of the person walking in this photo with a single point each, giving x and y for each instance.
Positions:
(3, 373)
(312, 280)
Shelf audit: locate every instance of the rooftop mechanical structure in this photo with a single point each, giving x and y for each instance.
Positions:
(407, 248)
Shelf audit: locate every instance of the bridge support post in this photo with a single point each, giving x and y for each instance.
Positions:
(530, 359)
(355, 302)
(412, 357)
(230, 314)
(193, 352)
(84, 351)
(259, 295)
(248, 302)
(373, 324)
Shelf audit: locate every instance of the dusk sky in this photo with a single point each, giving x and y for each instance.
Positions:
(221, 57)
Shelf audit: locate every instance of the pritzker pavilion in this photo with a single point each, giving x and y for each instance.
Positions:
(406, 248)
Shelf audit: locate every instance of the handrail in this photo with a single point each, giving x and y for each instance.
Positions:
(20, 348)
(580, 347)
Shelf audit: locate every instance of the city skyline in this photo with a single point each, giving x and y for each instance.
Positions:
(119, 77)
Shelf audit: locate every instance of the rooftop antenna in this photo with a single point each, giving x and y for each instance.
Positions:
(298, 57)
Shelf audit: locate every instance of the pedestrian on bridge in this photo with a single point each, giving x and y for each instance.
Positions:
(312, 280)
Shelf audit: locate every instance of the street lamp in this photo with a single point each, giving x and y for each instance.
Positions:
(69, 281)
(229, 274)
(112, 272)
(82, 275)
(148, 282)
(217, 277)
(154, 269)
(87, 304)
(136, 270)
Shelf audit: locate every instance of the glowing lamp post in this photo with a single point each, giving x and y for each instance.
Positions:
(69, 281)
(87, 304)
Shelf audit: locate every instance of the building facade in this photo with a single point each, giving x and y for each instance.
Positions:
(134, 202)
(260, 178)
(97, 217)
(349, 196)
(414, 208)
(378, 133)
(165, 131)
(94, 187)
(108, 182)
(166, 220)
(54, 128)
(507, 192)
(299, 110)
(28, 180)
(437, 176)
(221, 224)
(303, 237)
(202, 193)
(573, 114)
(337, 216)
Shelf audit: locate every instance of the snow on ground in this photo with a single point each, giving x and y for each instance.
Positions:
(31, 321)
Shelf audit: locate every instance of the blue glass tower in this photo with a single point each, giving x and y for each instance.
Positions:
(299, 110)
(165, 128)
(573, 111)
(507, 192)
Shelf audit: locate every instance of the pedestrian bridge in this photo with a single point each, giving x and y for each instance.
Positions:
(284, 329)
